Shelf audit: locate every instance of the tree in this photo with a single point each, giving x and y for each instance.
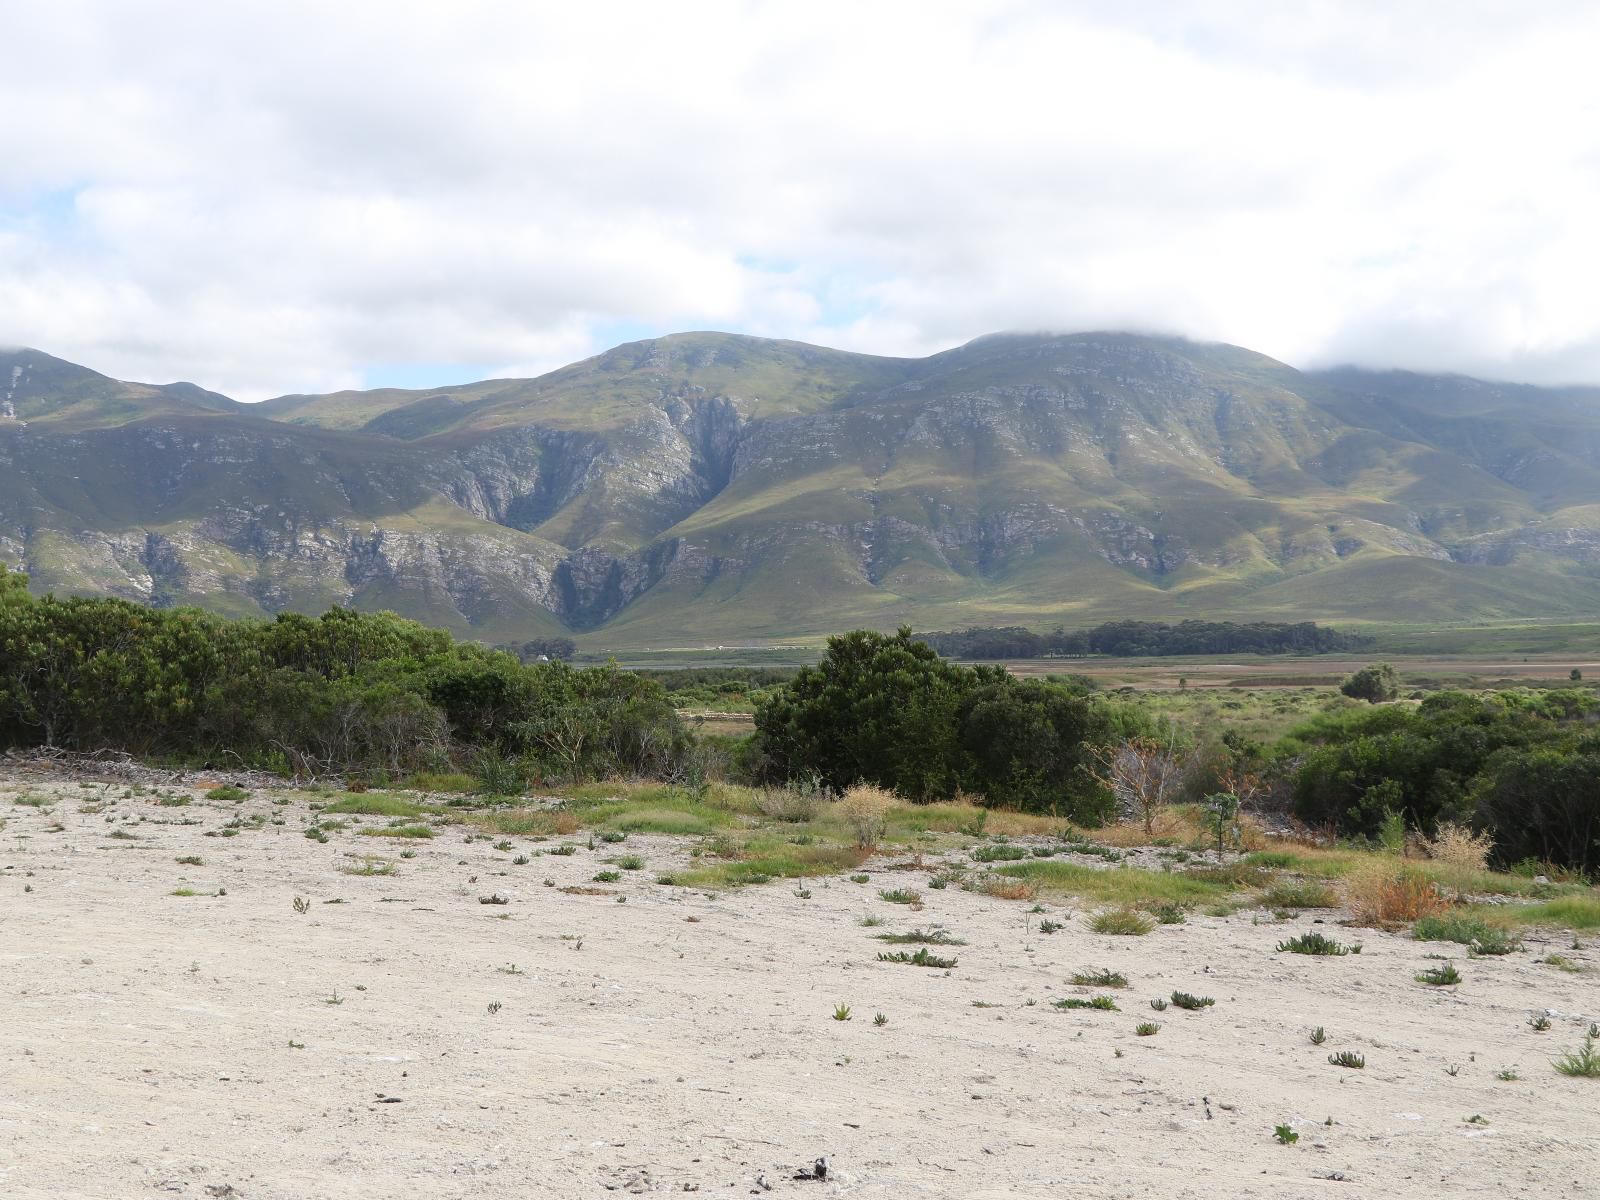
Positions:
(1220, 815)
(1144, 773)
(878, 709)
(1373, 684)
(1029, 745)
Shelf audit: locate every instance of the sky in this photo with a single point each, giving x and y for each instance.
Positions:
(301, 197)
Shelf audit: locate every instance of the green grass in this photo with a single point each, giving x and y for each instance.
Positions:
(1116, 885)
(921, 958)
(1314, 943)
(1121, 922)
(400, 831)
(377, 804)
(1298, 894)
(448, 782)
(1568, 912)
(1468, 929)
(920, 937)
(1100, 978)
(763, 859)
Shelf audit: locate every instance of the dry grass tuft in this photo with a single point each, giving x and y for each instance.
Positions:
(1385, 892)
(1457, 846)
(1002, 888)
(528, 821)
(865, 808)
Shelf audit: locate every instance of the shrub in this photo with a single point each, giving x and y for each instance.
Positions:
(1001, 887)
(796, 802)
(1147, 1029)
(1348, 1058)
(865, 809)
(1457, 846)
(1191, 1003)
(1383, 892)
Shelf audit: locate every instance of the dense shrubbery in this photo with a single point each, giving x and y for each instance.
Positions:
(343, 691)
(1523, 766)
(888, 710)
(1133, 639)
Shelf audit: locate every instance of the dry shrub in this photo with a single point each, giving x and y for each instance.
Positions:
(1179, 823)
(1457, 846)
(792, 804)
(865, 808)
(1001, 887)
(1384, 892)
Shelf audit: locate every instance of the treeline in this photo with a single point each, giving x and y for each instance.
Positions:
(342, 692)
(358, 693)
(1139, 639)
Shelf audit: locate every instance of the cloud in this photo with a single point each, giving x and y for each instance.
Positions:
(276, 197)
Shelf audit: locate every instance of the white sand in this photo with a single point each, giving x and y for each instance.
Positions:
(688, 1045)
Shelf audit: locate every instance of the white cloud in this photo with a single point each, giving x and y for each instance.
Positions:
(273, 197)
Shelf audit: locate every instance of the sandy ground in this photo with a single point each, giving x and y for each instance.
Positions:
(153, 1043)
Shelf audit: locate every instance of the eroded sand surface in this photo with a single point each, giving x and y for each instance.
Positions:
(686, 1044)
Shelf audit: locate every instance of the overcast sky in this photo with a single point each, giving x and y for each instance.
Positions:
(296, 196)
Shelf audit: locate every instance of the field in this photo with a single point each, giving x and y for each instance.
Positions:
(280, 994)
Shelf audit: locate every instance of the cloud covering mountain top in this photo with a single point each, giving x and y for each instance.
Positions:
(300, 197)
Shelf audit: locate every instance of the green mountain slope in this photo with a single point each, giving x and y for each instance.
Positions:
(712, 487)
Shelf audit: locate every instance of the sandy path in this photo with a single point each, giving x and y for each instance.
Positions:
(688, 1045)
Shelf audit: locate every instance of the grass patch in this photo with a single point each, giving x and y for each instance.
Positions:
(370, 866)
(922, 958)
(1102, 978)
(1568, 912)
(528, 822)
(400, 831)
(451, 783)
(920, 937)
(1121, 922)
(1115, 885)
(1467, 929)
(376, 804)
(1444, 975)
(1098, 1003)
(763, 859)
(998, 853)
(1298, 894)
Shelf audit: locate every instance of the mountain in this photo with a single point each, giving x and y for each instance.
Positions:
(712, 487)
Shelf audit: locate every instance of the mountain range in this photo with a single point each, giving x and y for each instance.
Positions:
(708, 487)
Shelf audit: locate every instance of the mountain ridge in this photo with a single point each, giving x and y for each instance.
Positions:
(708, 484)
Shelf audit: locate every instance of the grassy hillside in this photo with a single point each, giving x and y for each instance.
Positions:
(709, 488)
